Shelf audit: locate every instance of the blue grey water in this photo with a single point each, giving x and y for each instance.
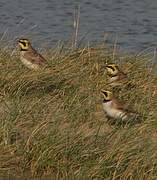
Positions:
(132, 22)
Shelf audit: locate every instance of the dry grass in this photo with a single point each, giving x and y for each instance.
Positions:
(52, 121)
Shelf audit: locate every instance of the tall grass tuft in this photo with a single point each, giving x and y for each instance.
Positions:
(52, 123)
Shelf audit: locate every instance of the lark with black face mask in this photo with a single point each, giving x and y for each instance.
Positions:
(29, 56)
(115, 77)
(116, 110)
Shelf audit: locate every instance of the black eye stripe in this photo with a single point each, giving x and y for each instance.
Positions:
(111, 68)
(24, 43)
(105, 93)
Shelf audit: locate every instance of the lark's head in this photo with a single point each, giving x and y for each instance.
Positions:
(24, 44)
(112, 69)
(107, 95)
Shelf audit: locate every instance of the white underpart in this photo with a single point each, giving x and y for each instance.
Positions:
(113, 112)
(29, 64)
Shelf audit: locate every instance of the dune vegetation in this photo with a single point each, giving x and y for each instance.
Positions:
(52, 123)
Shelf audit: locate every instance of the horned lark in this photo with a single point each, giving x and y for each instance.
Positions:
(115, 76)
(116, 110)
(29, 56)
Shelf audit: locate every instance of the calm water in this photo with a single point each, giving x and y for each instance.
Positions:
(134, 22)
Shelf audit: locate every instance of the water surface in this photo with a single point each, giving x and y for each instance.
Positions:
(133, 22)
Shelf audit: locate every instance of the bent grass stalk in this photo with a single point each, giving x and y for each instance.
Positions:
(63, 131)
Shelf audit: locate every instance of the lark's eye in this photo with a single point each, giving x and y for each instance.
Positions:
(24, 43)
(105, 93)
(111, 67)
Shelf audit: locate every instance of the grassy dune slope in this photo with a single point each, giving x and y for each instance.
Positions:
(52, 121)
